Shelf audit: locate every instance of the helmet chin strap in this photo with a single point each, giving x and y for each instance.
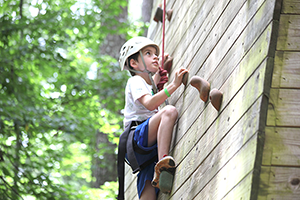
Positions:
(150, 74)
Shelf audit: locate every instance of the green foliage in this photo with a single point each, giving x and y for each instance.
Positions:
(56, 91)
(108, 191)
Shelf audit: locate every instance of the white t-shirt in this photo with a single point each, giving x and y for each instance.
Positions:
(136, 87)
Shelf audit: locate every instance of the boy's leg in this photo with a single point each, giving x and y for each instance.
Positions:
(148, 192)
(160, 129)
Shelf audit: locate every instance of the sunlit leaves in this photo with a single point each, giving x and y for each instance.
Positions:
(56, 92)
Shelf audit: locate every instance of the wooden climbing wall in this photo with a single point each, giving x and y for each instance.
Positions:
(248, 49)
(280, 172)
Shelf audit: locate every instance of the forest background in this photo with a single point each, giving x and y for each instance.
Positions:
(62, 95)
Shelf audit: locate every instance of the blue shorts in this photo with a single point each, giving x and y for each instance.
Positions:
(141, 139)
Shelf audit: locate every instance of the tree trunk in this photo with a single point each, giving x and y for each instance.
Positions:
(104, 168)
(112, 43)
(146, 13)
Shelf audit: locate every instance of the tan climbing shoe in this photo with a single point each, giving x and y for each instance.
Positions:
(216, 97)
(167, 164)
(202, 86)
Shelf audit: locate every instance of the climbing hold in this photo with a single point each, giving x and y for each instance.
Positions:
(185, 78)
(216, 97)
(169, 14)
(202, 86)
(165, 182)
(168, 64)
(158, 16)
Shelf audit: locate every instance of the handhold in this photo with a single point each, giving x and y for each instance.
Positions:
(216, 97)
(158, 16)
(169, 14)
(185, 78)
(168, 63)
(202, 86)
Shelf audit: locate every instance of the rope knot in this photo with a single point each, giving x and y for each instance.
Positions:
(163, 78)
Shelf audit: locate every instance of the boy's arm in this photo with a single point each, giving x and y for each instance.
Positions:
(153, 102)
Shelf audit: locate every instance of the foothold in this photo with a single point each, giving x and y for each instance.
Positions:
(202, 86)
(158, 16)
(216, 97)
(185, 78)
(168, 63)
(165, 182)
(169, 14)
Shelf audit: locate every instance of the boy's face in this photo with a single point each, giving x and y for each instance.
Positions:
(151, 59)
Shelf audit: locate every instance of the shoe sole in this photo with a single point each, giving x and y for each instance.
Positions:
(166, 182)
(167, 165)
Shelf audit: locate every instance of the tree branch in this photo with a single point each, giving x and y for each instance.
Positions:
(10, 187)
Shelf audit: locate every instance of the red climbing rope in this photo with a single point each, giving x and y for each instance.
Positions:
(163, 78)
(163, 32)
(163, 73)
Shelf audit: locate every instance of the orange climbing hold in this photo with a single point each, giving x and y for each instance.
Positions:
(216, 97)
(202, 86)
(185, 78)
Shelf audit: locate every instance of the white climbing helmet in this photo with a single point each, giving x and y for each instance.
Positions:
(133, 46)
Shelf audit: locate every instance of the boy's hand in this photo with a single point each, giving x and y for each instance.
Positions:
(178, 76)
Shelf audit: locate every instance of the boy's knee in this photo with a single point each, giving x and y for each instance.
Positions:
(171, 111)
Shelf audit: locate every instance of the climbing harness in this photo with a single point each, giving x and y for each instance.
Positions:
(129, 146)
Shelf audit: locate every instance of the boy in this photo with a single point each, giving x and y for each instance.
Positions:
(154, 128)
